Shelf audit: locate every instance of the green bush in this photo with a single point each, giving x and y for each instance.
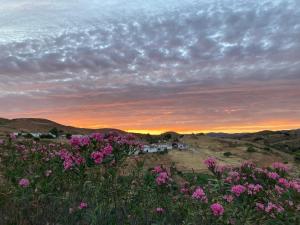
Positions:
(251, 149)
(227, 154)
(96, 181)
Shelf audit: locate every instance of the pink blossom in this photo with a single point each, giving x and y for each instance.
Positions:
(159, 210)
(238, 189)
(199, 194)
(217, 209)
(273, 175)
(280, 167)
(184, 190)
(284, 182)
(83, 205)
(107, 150)
(1, 142)
(273, 207)
(97, 136)
(253, 189)
(162, 178)
(228, 198)
(97, 157)
(260, 206)
(157, 169)
(295, 185)
(210, 162)
(48, 173)
(24, 182)
(248, 164)
(279, 190)
(12, 136)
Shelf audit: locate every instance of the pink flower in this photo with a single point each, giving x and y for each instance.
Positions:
(97, 136)
(210, 162)
(83, 205)
(97, 157)
(12, 136)
(260, 206)
(281, 167)
(159, 210)
(162, 178)
(253, 189)
(184, 190)
(273, 175)
(238, 189)
(217, 209)
(295, 185)
(157, 169)
(228, 198)
(24, 182)
(199, 195)
(284, 182)
(279, 190)
(107, 150)
(48, 173)
(1, 142)
(273, 207)
(248, 164)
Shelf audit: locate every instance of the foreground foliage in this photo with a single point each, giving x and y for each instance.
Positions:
(97, 179)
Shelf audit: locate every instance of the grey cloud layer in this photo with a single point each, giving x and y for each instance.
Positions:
(211, 41)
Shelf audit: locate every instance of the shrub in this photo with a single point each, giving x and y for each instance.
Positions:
(227, 154)
(251, 149)
(97, 180)
(297, 156)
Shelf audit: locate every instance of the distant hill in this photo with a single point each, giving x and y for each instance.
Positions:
(284, 140)
(44, 125)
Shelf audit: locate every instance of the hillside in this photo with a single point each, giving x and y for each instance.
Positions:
(285, 140)
(43, 125)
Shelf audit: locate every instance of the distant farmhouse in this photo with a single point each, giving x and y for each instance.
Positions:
(152, 148)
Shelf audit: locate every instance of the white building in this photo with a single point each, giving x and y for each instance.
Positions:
(156, 148)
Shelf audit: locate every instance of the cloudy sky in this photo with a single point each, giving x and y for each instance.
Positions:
(152, 66)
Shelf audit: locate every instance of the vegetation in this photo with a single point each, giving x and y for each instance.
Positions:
(98, 180)
(251, 149)
(227, 154)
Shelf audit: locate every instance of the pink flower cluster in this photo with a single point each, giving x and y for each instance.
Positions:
(83, 205)
(1, 142)
(280, 167)
(70, 159)
(273, 175)
(159, 210)
(253, 189)
(210, 162)
(162, 178)
(238, 189)
(199, 194)
(97, 137)
(217, 209)
(233, 176)
(228, 198)
(270, 208)
(79, 141)
(295, 185)
(248, 164)
(24, 182)
(157, 169)
(98, 156)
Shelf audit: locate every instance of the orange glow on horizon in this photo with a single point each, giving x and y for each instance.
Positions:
(267, 125)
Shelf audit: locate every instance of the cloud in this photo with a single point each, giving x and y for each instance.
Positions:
(124, 56)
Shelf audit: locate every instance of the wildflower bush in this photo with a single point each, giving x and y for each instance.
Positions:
(98, 179)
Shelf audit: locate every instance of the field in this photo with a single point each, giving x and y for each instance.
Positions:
(98, 179)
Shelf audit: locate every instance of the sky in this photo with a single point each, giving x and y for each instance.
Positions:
(152, 66)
